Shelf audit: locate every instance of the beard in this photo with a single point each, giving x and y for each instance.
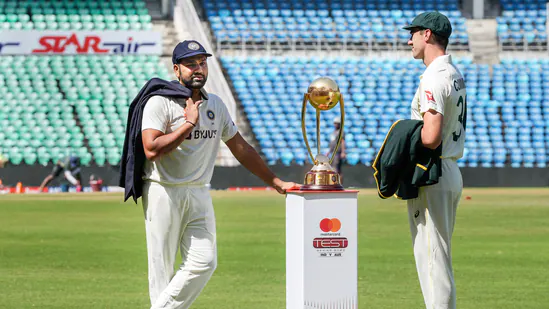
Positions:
(196, 81)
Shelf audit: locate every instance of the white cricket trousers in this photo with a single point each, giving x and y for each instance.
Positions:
(432, 216)
(178, 218)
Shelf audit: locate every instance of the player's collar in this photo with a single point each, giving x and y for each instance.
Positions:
(438, 60)
(204, 94)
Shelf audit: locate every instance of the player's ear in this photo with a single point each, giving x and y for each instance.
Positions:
(427, 35)
(176, 70)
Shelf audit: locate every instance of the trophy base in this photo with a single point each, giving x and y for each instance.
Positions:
(321, 188)
(322, 180)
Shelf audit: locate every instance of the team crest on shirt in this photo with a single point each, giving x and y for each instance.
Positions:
(429, 95)
(210, 115)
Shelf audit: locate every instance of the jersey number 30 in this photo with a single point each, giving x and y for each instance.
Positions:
(462, 118)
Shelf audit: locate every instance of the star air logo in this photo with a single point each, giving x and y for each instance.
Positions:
(193, 46)
(210, 115)
(429, 95)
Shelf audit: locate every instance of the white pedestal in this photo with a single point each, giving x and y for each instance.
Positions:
(321, 250)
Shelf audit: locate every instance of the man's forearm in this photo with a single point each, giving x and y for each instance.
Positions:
(251, 160)
(168, 142)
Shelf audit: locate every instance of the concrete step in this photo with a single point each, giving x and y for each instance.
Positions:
(483, 41)
(170, 36)
(483, 45)
(155, 9)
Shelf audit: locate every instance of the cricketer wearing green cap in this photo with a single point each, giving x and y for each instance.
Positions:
(435, 21)
(441, 102)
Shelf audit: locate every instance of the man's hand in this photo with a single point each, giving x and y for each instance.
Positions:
(191, 110)
(282, 186)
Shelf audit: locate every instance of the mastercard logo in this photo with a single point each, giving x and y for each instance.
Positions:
(330, 225)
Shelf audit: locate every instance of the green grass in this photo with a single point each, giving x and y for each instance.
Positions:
(88, 251)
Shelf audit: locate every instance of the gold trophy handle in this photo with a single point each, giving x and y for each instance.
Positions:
(318, 131)
(303, 129)
(340, 137)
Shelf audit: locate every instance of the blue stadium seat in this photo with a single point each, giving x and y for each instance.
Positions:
(375, 101)
(232, 21)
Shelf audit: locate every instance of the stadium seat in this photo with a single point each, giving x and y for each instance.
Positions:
(354, 22)
(46, 127)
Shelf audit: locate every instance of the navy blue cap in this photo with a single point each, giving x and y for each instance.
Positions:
(187, 49)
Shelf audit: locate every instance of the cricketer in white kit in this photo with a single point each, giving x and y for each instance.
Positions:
(441, 102)
(181, 140)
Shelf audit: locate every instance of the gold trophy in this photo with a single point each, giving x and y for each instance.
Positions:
(323, 94)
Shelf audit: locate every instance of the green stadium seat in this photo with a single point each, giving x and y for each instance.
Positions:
(109, 143)
(63, 143)
(100, 25)
(110, 19)
(12, 18)
(62, 18)
(43, 158)
(95, 143)
(88, 26)
(55, 152)
(99, 159)
(93, 4)
(23, 18)
(22, 143)
(65, 26)
(85, 159)
(74, 18)
(86, 18)
(136, 26)
(16, 26)
(123, 26)
(113, 159)
(15, 158)
(30, 158)
(146, 26)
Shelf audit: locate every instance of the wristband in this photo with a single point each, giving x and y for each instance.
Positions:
(194, 125)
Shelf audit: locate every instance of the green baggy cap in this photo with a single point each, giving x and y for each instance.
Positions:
(435, 21)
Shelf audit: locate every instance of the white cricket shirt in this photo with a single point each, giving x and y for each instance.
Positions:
(193, 161)
(442, 89)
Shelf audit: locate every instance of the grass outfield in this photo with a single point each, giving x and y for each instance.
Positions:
(88, 251)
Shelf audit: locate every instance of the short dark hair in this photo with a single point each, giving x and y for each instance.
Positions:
(440, 41)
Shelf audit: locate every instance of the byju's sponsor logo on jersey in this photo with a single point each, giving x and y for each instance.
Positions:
(203, 134)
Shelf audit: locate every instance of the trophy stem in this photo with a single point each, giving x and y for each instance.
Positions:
(303, 128)
(318, 131)
(340, 136)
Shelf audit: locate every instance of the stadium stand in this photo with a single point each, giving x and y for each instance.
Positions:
(53, 106)
(376, 24)
(522, 24)
(507, 122)
(500, 131)
(86, 101)
(74, 15)
(376, 94)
